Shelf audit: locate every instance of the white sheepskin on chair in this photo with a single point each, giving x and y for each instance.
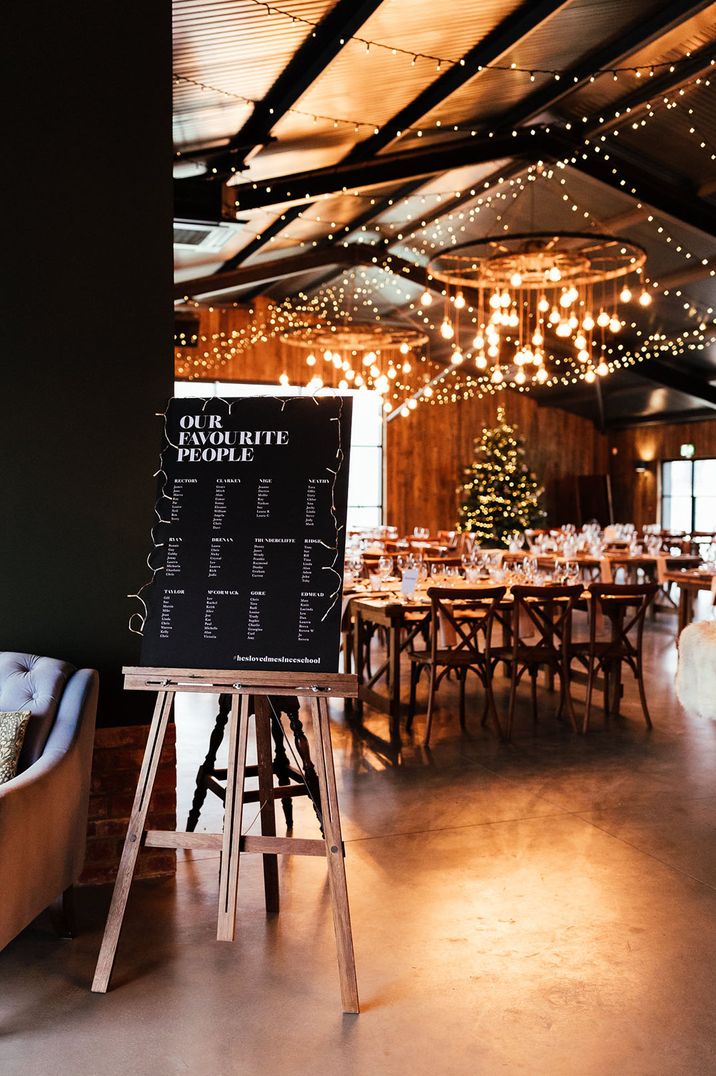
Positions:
(696, 671)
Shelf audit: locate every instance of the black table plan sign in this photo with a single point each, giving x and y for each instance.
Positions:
(249, 539)
(247, 574)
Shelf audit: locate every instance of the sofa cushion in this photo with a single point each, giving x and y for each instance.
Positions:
(29, 682)
(13, 725)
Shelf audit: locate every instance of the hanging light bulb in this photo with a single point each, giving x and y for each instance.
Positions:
(588, 323)
(478, 343)
(516, 280)
(337, 361)
(554, 274)
(456, 357)
(583, 355)
(644, 299)
(615, 324)
(497, 375)
(565, 299)
(283, 379)
(537, 338)
(350, 375)
(505, 299)
(446, 330)
(412, 404)
(426, 299)
(562, 328)
(624, 295)
(520, 377)
(310, 360)
(392, 373)
(602, 369)
(590, 376)
(374, 371)
(495, 300)
(603, 319)
(573, 322)
(580, 340)
(480, 361)
(459, 301)
(404, 348)
(406, 367)
(359, 380)
(541, 375)
(543, 305)
(342, 384)
(327, 356)
(513, 320)
(554, 316)
(427, 391)
(493, 351)
(387, 406)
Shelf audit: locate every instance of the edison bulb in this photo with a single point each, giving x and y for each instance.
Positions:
(580, 340)
(426, 299)
(541, 375)
(590, 376)
(537, 338)
(543, 305)
(427, 391)
(644, 299)
(446, 330)
(588, 323)
(573, 322)
(404, 348)
(337, 362)
(562, 329)
(497, 375)
(374, 371)
(516, 280)
(343, 384)
(505, 299)
(615, 325)
(603, 319)
(513, 321)
(554, 316)
(478, 343)
(283, 379)
(407, 367)
(495, 300)
(520, 377)
(392, 373)
(602, 369)
(327, 356)
(480, 361)
(493, 351)
(412, 404)
(554, 274)
(310, 360)
(456, 357)
(565, 299)
(459, 301)
(583, 355)
(624, 295)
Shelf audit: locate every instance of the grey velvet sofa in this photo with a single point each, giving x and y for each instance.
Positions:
(43, 810)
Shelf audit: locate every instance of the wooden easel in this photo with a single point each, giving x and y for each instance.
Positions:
(315, 686)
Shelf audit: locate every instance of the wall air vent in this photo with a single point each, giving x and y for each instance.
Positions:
(202, 235)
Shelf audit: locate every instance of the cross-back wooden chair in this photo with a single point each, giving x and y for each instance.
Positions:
(541, 626)
(460, 627)
(624, 607)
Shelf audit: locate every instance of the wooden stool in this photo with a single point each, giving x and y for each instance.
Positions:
(209, 778)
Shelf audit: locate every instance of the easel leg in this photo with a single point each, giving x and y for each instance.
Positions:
(335, 857)
(132, 841)
(264, 744)
(217, 735)
(231, 847)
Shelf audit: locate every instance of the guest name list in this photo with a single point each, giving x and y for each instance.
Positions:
(248, 549)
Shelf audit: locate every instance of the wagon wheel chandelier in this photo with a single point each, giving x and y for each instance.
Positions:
(355, 354)
(545, 303)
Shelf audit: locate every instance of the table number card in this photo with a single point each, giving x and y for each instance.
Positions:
(247, 561)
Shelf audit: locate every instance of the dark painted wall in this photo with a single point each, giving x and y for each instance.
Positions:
(86, 339)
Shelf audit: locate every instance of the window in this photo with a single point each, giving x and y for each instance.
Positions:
(688, 495)
(365, 486)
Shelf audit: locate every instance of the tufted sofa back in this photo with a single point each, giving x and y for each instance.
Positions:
(29, 682)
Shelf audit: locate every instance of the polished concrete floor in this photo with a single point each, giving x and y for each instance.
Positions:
(545, 907)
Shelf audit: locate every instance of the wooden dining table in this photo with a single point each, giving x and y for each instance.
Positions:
(689, 582)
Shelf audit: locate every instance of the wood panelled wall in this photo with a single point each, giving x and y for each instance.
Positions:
(636, 496)
(427, 452)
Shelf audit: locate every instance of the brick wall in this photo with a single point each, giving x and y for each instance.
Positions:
(116, 763)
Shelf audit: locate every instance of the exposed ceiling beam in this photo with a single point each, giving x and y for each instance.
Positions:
(679, 202)
(418, 162)
(663, 418)
(489, 50)
(675, 377)
(318, 49)
(612, 54)
(505, 36)
(642, 32)
(685, 276)
(267, 271)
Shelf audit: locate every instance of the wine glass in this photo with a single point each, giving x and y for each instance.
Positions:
(385, 567)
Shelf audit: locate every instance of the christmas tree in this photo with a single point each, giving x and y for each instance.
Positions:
(500, 495)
